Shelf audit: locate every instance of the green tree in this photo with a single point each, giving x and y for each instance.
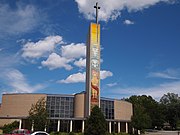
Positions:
(140, 119)
(171, 103)
(38, 115)
(96, 123)
(178, 125)
(169, 98)
(150, 108)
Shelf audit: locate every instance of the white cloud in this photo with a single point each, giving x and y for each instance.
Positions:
(104, 74)
(173, 74)
(80, 63)
(156, 91)
(111, 9)
(8, 60)
(72, 53)
(81, 77)
(128, 22)
(56, 61)
(74, 50)
(161, 75)
(74, 78)
(18, 82)
(41, 48)
(20, 20)
(111, 84)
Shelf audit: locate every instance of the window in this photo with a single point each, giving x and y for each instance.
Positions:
(107, 108)
(61, 107)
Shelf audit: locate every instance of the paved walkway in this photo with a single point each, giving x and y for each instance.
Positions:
(163, 133)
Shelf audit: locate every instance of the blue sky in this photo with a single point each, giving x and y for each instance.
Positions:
(42, 46)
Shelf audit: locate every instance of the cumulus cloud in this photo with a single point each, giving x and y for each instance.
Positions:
(22, 19)
(41, 48)
(18, 82)
(56, 61)
(47, 48)
(128, 22)
(111, 9)
(80, 63)
(73, 51)
(74, 78)
(81, 77)
(104, 74)
(173, 74)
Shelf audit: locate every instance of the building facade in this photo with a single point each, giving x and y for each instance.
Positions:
(66, 112)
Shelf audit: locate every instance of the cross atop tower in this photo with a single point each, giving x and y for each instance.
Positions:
(96, 7)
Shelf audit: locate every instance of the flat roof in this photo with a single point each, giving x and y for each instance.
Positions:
(61, 95)
(24, 94)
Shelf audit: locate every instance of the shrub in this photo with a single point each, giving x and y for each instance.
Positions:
(7, 128)
(96, 123)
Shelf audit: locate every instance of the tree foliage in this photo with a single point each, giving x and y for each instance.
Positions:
(96, 123)
(171, 104)
(169, 98)
(140, 120)
(147, 112)
(38, 115)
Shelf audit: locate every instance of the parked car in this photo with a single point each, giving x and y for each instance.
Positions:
(40, 133)
(19, 132)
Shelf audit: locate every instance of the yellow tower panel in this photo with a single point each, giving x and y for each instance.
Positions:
(94, 36)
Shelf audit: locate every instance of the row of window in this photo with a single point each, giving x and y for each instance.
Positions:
(58, 106)
(63, 107)
(107, 107)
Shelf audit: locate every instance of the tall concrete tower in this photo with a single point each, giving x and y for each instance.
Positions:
(93, 66)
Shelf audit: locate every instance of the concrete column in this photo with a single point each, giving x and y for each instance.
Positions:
(20, 123)
(133, 130)
(71, 126)
(139, 132)
(32, 127)
(83, 126)
(126, 127)
(119, 127)
(110, 127)
(58, 126)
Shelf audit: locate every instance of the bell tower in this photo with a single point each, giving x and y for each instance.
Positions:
(93, 66)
